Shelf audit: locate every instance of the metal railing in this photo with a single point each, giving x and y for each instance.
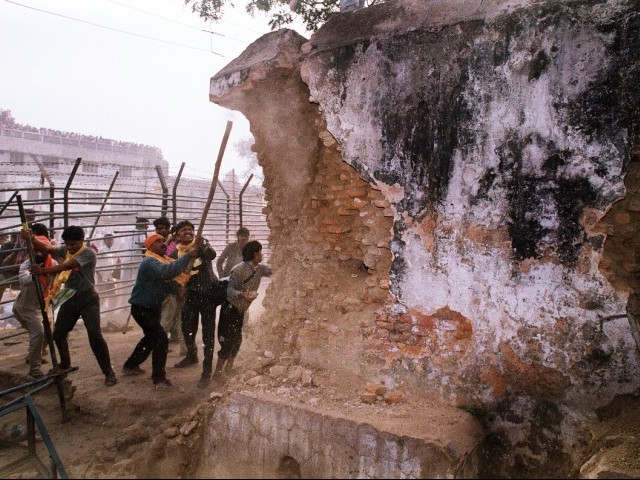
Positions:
(33, 420)
(113, 207)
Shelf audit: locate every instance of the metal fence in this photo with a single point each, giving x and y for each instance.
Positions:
(114, 206)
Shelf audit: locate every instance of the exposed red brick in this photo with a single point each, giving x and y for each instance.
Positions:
(406, 318)
(359, 203)
(399, 337)
(336, 229)
(531, 378)
(354, 192)
(464, 328)
(426, 321)
(402, 327)
(347, 212)
(382, 334)
(385, 325)
(381, 203)
(421, 331)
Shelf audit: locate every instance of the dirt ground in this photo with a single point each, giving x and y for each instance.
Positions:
(133, 430)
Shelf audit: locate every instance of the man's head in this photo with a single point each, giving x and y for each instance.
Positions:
(154, 243)
(163, 226)
(40, 229)
(73, 237)
(252, 252)
(243, 236)
(185, 232)
(40, 256)
(108, 240)
(142, 223)
(30, 214)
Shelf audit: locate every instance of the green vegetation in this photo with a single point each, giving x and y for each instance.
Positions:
(313, 13)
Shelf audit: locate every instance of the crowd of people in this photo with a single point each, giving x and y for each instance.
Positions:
(7, 121)
(176, 292)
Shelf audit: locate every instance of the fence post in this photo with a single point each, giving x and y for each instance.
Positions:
(4, 207)
(175, 195)
(228, 213)
(52, 194)
(104, 203)
(66, 191)
(165, 191)
(240, 197)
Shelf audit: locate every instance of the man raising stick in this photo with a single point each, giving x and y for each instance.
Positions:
(77, 273)
(152, 285)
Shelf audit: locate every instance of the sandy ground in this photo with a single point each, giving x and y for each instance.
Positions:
(110, 429)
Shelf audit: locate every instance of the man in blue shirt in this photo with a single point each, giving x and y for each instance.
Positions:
(153, 283)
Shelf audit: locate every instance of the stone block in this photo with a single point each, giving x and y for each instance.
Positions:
(394, 396)
(368, 398)
(376, 388)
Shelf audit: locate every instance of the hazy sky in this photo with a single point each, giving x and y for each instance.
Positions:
(67, 75)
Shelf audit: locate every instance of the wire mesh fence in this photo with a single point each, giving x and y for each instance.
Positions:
(116, 211)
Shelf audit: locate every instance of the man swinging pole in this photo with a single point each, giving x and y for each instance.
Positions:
(43, 309)
(200, 288)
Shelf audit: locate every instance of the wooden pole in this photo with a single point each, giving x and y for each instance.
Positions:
(216, 173)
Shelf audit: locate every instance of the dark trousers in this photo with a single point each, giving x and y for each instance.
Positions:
(153, 342)
(203, 305)
(87, 306)
(230, 331)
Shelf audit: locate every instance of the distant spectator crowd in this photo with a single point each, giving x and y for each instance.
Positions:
(7, 121)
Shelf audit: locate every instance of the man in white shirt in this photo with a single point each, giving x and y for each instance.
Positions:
(242, 290)
(108, 273)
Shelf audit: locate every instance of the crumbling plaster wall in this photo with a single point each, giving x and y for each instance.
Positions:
(329, 229)
(500, 134)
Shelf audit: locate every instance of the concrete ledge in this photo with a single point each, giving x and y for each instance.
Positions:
(261, 436)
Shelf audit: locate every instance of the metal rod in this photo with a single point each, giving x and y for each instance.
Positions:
(44, 433)
(165, 191)
(66, 191)
(240, 197)
(4, 207)
(228, 215)
(104, 203)
(52, 193)
(174, 204)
